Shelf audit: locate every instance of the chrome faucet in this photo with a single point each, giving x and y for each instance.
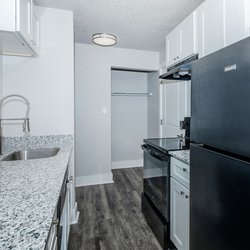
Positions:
(26, 125)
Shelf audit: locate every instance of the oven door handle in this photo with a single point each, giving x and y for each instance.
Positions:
(157, 155)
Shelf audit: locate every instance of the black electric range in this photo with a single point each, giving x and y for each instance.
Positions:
(156, 185)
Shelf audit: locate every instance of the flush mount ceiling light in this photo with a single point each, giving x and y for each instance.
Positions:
(104, 39)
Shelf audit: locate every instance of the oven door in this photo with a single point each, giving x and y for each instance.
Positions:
(156, 185)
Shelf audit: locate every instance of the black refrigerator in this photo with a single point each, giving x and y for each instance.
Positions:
(220, 152)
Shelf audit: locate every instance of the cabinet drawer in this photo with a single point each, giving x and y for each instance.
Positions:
(180, 171)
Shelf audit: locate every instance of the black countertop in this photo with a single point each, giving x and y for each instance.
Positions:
(167, 144)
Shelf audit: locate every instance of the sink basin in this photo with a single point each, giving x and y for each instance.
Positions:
(32, 154)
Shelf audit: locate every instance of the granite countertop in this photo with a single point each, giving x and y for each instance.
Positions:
(29, 191)
(182, 155)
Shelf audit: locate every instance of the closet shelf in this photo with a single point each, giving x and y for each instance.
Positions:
(130, 94)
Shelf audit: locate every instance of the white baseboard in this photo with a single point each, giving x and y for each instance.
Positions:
(127, 164)
(94, 180)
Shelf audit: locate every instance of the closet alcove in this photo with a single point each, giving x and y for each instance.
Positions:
(135, 106)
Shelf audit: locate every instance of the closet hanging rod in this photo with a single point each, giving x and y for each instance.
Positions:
(130, 94)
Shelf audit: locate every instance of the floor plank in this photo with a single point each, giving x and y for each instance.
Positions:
(111, 217)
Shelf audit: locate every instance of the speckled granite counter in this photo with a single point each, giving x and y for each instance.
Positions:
(29, 191)
(182, 155)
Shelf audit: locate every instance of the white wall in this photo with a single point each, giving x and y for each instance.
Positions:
(93, 105)
(129, 119)
(163, 56)
(153, 105)
(47, 81)
(1, 76)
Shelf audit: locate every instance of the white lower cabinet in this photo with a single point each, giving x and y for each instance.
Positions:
(179, 215)
(180, 171)
(65, 220)
(65, 214)
(52, 238)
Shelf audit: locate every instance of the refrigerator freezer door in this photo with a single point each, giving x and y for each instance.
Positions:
(219, 201)
(221, 99)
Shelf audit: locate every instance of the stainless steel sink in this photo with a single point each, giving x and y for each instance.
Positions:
(32, 154)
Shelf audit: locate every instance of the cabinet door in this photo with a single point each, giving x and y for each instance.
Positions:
(35, 31)
(24, 16)
(235, 21)
(52, 237)
(172, 50)
(170, 109)
(7, 15)
(247, 13)
(66, 221)
(210, 27)
(179, 215)
(175, 103)
(188, 37)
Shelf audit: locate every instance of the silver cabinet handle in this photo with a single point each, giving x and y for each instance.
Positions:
(186, 196)
(69, 179)
(55, 221)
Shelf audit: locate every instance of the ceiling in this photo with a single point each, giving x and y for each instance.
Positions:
(138, 24)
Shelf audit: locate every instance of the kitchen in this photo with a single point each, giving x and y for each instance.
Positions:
(74, 116)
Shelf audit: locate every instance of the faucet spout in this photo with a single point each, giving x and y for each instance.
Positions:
(26, 125)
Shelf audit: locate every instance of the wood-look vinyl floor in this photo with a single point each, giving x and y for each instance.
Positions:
(111, 217)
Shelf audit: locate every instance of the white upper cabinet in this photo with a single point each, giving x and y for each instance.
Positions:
(210, 27)
(236, 26)
(23, 21)
(181, 42)
(35, 31)
(188, 36)
(19, 28)
(221, 23)
(173, 52)
(7, 15)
